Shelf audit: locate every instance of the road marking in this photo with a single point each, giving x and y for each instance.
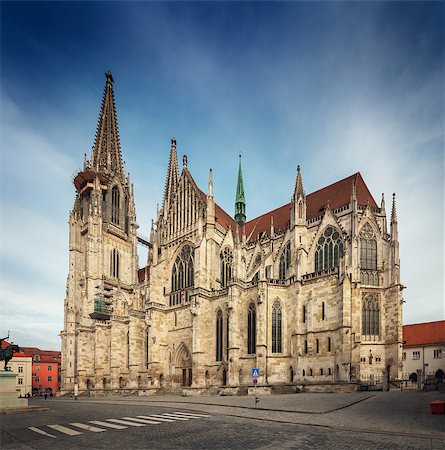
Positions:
(87, 427)
(107, 424)
(37, 430)
(192, 414)
(163, 416)
(162, 419)
(126, 422)
(65, 430)
(141, 420)
(176, 416)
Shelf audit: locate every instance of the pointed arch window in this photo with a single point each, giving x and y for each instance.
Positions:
(219, 335)
(329, 250)
(371, 317)
(183, 276)
(276, 327)
(226, 257)
(284, 262)
(115, 204)
(251, 329)
(114, 263)
(368, 257)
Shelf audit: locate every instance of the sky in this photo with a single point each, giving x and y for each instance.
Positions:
(336, 87)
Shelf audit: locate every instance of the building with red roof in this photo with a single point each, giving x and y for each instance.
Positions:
(46, 369)
(308, 293)
(424, 349)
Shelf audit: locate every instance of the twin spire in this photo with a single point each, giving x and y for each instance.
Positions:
(106, 154)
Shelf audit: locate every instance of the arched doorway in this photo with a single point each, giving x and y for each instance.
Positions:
(439, 375)
(413, 377)
(224, 377)
(183, 365)
(291, 374)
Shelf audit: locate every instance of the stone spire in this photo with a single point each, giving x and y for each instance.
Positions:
(172, 177)
(106, 154)
(298, 184)
(240, 201)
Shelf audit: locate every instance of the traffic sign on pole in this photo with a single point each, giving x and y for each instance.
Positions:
(255, 373)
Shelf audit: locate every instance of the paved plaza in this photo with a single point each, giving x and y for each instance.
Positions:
(396, 420)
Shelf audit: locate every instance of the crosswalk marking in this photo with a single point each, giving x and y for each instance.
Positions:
(37, 430)
(126, 422)
(87, 427)
(107, 424)
(162, 419)
(141, 420)
(168, 417)
(175, 416)
(120, 424)
(65, 430)
(191, 414)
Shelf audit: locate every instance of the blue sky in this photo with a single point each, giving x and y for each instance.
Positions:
(334, 87)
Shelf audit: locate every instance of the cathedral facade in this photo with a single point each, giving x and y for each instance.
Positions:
(308, 293)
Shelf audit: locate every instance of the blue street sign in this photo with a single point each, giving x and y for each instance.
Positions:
(255, 373)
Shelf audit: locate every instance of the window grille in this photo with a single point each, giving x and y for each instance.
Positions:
(226, 257)
(219, 335)
(115, 205)
(276, 327)
(371, 316)
(183, 276)
(368, 257)
(285, 259)
(114, 263)
(251, 329)
(329, 250)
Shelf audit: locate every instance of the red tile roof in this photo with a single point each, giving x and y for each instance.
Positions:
(428, 333)
(337, 194)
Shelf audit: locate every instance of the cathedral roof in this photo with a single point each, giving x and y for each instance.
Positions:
(428, 333)
(336, 194)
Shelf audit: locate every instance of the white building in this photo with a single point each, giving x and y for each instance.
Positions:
(424, 350)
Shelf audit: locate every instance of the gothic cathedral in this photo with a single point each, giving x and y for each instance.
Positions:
(309, 293)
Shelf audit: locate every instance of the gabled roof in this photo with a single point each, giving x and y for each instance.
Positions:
(261, 224)
(428, 333)
(337, 194)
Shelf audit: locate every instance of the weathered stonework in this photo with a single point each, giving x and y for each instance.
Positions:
(339, 321)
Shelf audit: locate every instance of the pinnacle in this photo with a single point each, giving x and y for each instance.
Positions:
(299, 183)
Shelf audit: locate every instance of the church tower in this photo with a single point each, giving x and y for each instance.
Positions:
(103, 264)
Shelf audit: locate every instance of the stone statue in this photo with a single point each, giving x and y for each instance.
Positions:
(7, 352)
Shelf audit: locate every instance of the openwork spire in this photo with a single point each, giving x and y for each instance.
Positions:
(240, 201)
(172, 176)
(299, 184)
(106, 155)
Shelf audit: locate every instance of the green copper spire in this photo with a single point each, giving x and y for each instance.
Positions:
(240, 201)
